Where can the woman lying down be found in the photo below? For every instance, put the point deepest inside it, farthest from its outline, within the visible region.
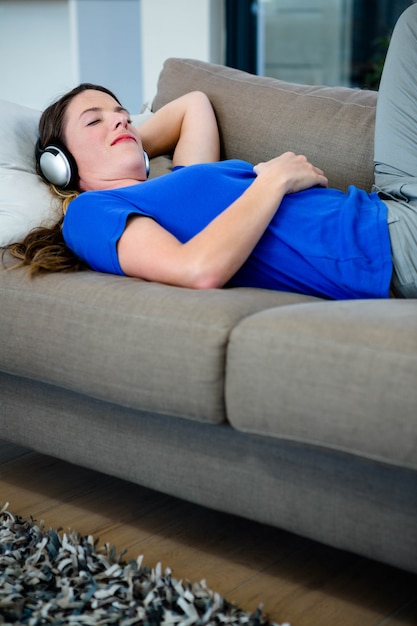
(210, 223)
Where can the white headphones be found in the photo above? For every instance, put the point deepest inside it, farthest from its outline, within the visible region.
(57, 165)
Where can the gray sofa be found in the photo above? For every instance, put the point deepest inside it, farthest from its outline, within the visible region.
(293, 411)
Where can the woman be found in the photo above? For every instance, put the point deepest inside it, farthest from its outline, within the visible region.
(210, 224)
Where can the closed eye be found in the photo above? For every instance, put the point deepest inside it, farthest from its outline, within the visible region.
(93, 122)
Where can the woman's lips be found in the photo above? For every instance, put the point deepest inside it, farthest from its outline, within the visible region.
(123, 138)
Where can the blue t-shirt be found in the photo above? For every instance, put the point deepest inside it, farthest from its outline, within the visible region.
(322, 242)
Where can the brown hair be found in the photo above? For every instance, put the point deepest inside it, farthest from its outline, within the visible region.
(44, 249)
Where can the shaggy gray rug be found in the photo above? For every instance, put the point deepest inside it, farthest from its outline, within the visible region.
(52, 578)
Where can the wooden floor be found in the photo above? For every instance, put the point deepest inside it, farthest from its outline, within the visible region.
(296, 580)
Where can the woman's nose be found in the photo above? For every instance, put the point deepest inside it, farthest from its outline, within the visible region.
(120, 120)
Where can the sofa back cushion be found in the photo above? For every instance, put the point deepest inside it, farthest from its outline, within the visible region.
(262, 117)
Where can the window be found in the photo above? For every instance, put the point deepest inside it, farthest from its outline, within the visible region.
(322, 42)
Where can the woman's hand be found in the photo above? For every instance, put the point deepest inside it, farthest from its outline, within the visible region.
(290, 173)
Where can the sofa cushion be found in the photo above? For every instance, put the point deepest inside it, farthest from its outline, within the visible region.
(261, 117)
(335, 374)
(141, 345)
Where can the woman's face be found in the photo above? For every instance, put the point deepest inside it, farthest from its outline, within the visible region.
(106, 147)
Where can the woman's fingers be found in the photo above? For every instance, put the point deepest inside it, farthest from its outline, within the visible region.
(295, 169)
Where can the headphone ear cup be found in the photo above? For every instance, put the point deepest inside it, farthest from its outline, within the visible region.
(147, 164)
(57, 166)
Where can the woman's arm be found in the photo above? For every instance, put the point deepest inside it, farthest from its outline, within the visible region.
(214, 255)
(187, 127)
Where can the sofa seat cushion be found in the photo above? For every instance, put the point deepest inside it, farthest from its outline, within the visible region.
(261, 117)
(141, 345)
(337, 374)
